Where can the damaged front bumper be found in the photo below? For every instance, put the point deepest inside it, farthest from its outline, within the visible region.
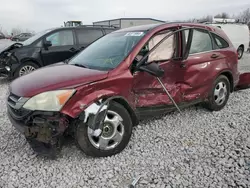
(43, 130)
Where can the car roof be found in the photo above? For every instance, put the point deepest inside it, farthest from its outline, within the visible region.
(83, 27)
(140, 27)
(170, 24)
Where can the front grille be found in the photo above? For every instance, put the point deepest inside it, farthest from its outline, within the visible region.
(15, 104)
(13, 100)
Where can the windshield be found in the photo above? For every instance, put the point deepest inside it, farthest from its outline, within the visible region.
(35, 37)
(107, 52)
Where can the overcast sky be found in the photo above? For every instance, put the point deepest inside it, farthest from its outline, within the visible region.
(42, 14)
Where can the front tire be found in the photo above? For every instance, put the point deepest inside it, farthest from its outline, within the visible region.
(219, 94)
(115, 135)
(25, 68)
(240, 52)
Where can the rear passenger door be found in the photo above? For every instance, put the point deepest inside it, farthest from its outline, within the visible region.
(86, 36)
(204, 60)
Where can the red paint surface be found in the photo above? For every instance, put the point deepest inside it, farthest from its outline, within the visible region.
(52, 78)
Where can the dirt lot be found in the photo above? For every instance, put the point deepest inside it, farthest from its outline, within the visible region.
(195, 149)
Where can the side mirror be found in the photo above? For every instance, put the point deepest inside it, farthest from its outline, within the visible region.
(47, 44)
(152, 68)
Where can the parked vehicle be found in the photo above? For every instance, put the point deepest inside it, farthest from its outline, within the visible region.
(2, 35)
(238, 33)
(120, 79)
(8, 37)
(22, 37)
(48, 47)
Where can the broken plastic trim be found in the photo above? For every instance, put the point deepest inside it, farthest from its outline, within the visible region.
(96, 109)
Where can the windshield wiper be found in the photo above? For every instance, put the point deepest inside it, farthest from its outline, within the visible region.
(80, 65)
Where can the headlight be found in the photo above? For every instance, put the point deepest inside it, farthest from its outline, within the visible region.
(49, 101)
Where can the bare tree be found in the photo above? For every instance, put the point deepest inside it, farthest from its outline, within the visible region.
(244, 16)
(207, 18)
(16, 31)
(223, 15)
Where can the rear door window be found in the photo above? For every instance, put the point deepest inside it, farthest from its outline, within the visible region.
(201, 41)
(88, 35)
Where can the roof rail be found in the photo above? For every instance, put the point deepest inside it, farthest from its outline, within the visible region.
(222, 21)
(107, 26)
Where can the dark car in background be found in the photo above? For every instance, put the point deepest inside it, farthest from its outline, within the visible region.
(2, 35)
(22, 37)
(48, 47)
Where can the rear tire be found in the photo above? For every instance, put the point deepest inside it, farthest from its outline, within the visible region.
(88, 146)
(25, 68)
(240, 52)
(219, 94)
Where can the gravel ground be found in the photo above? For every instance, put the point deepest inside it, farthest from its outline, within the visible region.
(195, 149)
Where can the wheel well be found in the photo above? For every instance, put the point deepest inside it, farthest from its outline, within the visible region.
(242, 46)
(131, 112)
(24, 61)
(230, 78)
(31, 60)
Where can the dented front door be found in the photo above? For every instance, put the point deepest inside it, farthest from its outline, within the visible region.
(147, 90)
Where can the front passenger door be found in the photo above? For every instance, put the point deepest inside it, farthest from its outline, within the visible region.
(63, 47)
(147, 90)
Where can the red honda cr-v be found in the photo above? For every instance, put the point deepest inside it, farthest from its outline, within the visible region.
(123, 77)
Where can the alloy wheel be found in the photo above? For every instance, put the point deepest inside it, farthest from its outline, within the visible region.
(239, 53)
(112, 132)
(220, 93)
(26, 69)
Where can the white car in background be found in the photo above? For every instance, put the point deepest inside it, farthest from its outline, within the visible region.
(238, 33)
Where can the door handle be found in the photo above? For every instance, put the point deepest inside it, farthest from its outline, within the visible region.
(214, 55)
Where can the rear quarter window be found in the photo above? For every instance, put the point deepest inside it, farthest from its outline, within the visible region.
(87, 36)
(219, 42)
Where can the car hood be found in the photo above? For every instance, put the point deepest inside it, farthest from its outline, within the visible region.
(54, 77)
(10, 47)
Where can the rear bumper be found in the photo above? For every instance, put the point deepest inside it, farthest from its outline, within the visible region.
(237, 79)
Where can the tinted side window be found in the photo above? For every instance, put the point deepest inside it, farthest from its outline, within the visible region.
(87, 36)
(201, 41)
(220, 42)
(61, 38)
